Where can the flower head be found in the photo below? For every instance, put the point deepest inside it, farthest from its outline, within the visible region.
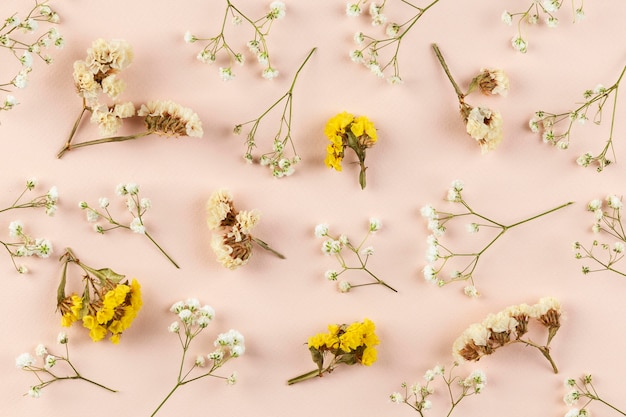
(348, 344)
(484, 125)
(344, 130)
(170, 119)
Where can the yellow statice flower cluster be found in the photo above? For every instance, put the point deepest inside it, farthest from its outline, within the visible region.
(344, 130)
(356, 337)
(348, 344)
(111, 313)
(118, 309)
(107, 305)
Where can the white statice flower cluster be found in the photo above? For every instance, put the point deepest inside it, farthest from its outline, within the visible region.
(257, 46)
(491, 82)
(607, 221)
(507, 327)
(232, 230)
(20, 38)
(379, 54)
(98, 74)
(232, 240)
(170, 119)
(484, 125)
(481, 123)
(336, 245)
(418, 395)
(537, 11)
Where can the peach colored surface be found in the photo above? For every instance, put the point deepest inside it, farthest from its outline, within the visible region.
(278, 304)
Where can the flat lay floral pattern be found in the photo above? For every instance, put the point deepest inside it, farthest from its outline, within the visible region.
(107, 285)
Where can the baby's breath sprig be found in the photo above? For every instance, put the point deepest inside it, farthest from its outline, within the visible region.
(47, 201)
(416, 396)
(108, 303)
(257, 45)
(608, 220)
(27, 245)
(508, 327)
(280, 164)
(14, 37)
(333, 245)
(136, 206)
(45, 374)
(596, 98)
(436, 251)
(537, 9)
(481, 123)
(369, 47)
(584, 390)
(195, 318)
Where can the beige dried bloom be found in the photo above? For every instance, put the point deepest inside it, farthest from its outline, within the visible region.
(86, 85)
(97, 73)
(246, 220)
(107, 123)
(484, 125)
(507, 327)
(171, 119)
(481, 123)
(232, 238)
(230, 252)
(112, 86)
(109, 120)
(220, 210)
(491, 82)
(108, 57)
(124, 110)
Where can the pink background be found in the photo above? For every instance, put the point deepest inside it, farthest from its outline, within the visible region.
(278, 304)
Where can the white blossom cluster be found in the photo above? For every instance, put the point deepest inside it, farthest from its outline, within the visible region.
(537, 11)
(334, 245)
(15, 36)
(607, 221)
(417, 395)
(257, 46)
